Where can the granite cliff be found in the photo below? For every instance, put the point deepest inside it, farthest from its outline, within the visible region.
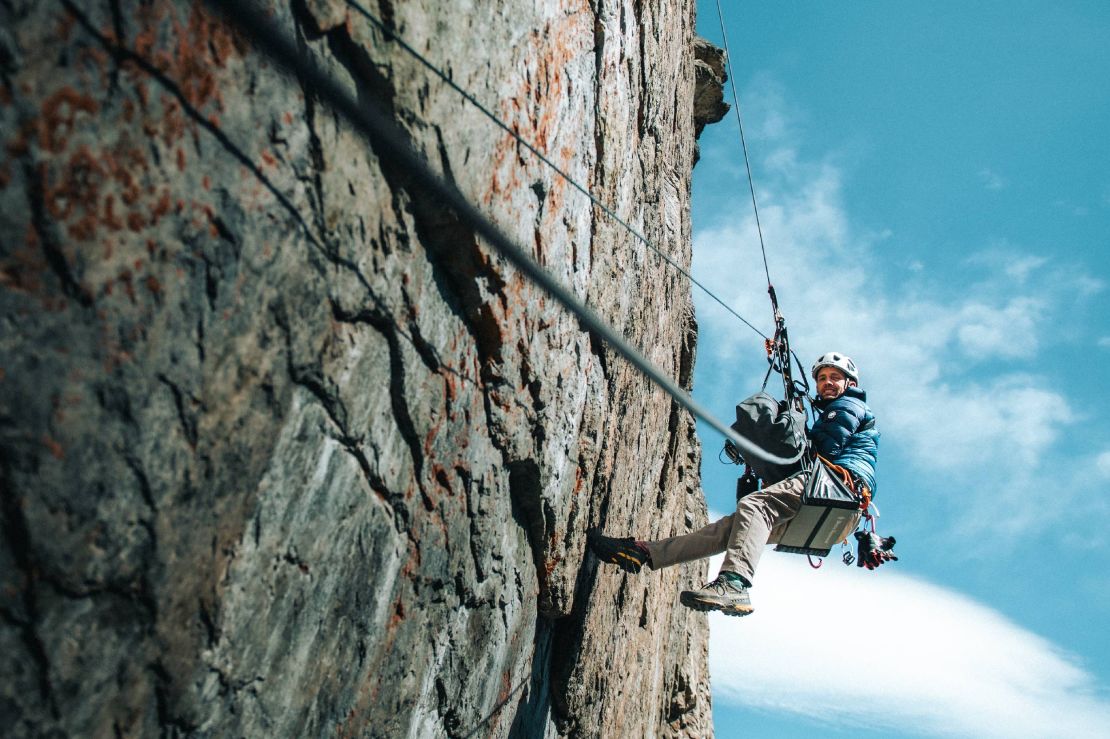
(286, 451)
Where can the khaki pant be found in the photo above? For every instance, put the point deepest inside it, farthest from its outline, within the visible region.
(760, 519)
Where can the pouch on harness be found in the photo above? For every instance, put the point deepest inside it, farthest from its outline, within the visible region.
(830, 512)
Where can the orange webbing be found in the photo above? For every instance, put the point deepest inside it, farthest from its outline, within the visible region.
(846, 478)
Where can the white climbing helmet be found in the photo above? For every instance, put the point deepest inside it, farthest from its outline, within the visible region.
(840, 361)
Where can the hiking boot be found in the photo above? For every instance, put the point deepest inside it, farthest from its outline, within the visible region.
(725, 594)
(628, 554)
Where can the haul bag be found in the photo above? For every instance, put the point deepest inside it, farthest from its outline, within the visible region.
(829, 512)
(775, 427)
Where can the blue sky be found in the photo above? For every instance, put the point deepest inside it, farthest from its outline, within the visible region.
(934, 189)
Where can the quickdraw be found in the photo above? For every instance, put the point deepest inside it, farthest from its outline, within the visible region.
(779, 356)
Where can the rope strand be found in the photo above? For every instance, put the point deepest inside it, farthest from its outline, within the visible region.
(743, 141)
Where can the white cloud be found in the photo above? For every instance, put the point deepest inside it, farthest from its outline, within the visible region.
(1086, 286)
(768, 115)
(991, 179)
(890, 651)
(1022, 267)
(1072, 208)
(1102, 464)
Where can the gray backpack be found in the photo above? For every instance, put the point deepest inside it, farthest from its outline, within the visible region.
(775, 427)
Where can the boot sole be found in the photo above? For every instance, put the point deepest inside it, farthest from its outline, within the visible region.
(627, 563)
(730, 609)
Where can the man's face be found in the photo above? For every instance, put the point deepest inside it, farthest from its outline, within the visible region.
(831, 383)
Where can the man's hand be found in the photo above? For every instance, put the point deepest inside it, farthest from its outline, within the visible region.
(873, 549)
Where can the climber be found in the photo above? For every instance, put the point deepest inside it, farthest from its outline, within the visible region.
(843, 434)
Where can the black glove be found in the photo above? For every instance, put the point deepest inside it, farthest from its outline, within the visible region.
(873, 549)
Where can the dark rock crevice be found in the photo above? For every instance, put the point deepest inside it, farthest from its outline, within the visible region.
(26, 621)
(312, 378)
(534, 708)
(48, 238)
(527, 499)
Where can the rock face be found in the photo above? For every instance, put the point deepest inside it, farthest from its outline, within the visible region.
(286, 451)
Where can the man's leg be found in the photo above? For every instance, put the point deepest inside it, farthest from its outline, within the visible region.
(705, 542)
(756, 517)
(743, 535)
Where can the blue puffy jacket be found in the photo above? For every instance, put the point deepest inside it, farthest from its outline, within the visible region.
(844, 433)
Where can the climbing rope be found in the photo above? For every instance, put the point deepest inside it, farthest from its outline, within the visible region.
(778, 348)
(743, 143)
(392, 35)
(376, 126)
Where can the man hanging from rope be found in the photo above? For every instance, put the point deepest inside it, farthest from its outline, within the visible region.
(843, 435)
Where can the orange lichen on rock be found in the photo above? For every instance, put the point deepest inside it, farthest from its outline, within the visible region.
(122, 163)
(161, 207)
(199, 45)
(125, 278)
(22, 271)
(77, 193)
(59, 114)
(173, 121)
(54, 447)
(65, 26)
